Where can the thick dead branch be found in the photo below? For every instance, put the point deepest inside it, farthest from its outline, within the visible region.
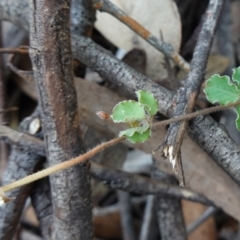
(82, 20)
(187, 95)
(223, 39)
(21, 163)
(18, 13)
(170, 219)
(52, 65)
(22, 140)
(170, 215)
(42, 204)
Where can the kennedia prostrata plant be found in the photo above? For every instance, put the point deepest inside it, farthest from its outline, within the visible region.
(138, 115)
(223, 90)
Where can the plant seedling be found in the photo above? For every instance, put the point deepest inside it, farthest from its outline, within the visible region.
(138, 115)
(223, 90)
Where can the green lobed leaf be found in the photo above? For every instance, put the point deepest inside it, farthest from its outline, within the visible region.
(148, 100)
(220, 89)
(140, 137)
(129, 132)
(238, 117)
(236, 76)
(137, 135)
(128, 111)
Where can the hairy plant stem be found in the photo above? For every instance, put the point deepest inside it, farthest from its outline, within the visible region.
(194, 114)
(61, 166)
(82, 158)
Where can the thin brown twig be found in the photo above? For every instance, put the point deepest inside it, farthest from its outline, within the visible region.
(14, 50)
(8, 110)
(195, 114)
(165, 48)
(21, 162)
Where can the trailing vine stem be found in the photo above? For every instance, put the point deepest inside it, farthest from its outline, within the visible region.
(195, 114)
(82, 158)
(64, 165)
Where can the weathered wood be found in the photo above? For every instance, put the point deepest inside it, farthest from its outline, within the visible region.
(51, 57)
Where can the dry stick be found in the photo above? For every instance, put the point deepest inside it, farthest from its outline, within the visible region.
(101, 147)
(21, 163)
(206, 214)
(165, 48)
(169, 210)
(51, 56)
(187, 95)
(148, 230)
(137, 184)
(8, 110)
(83, 16)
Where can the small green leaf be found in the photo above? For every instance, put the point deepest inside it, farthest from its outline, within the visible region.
(140, 137)
(148, 100)
(220, 89)
(128, 111)
(236, 75)
(129, 132)
(137, 135)
(238, 117)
